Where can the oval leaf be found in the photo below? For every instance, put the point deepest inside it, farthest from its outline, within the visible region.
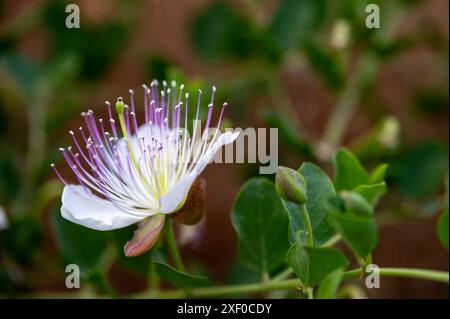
(312, 264)
(348, 171)
(359, 232)
(260, 225)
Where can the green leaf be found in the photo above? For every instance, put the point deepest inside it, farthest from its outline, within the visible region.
(348, 171)
(312, 264)
(442, 227)
(378, 174)
(359, 232)
(257, 216)
(79, 245)
(319, 191)
(356, 203)
(373, 192)
(179, 278)
(294, 20)
(329, 285)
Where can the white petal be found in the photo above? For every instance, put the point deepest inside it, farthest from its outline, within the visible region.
(95, 213)
(175, 197)
(223, 139)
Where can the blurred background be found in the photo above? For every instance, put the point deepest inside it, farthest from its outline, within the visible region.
(311, 68)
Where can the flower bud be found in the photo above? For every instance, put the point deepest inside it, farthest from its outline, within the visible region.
(355, 202)
(290, 185)
(145, 235)
(194, 208)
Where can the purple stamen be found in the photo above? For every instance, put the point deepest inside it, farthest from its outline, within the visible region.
(108, 167)
(58, 174)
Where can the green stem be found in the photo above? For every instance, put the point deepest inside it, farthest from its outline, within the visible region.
(367, 261)
(355, 273)
(433, 275)
(308, 227)
(440, 276)
(220, 291)
(309, 241)
(172, 245)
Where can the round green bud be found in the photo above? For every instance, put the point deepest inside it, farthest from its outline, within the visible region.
(290, 185)
(120, 105)
(355, 202)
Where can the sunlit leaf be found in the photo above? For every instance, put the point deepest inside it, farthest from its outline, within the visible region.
(348, 171)
(373, 192)
(378, 174)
